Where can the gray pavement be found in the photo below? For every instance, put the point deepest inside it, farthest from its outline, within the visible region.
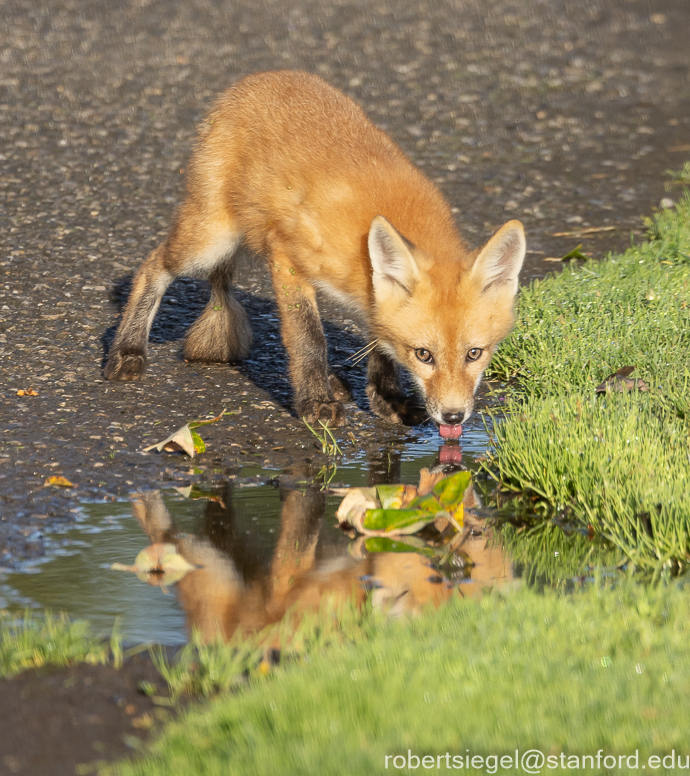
(562, 114)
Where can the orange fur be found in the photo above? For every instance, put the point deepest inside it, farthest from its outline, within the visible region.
(293, 168)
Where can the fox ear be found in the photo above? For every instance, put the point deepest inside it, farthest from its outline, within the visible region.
(395, 270)
(500, 260)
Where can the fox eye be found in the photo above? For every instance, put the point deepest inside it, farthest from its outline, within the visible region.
(474, 353)
(424, 356)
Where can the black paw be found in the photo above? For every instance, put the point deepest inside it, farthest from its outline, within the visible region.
(395, 409)
(125, 366)
(339, 388)
(332, 413)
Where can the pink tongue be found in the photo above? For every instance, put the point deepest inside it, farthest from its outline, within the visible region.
(450, 432)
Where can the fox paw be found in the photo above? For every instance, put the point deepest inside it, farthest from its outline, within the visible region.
(394, 409)
(332, 413)
(125, 366)
(339, 388)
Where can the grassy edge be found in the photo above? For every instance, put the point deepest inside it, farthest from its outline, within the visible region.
(602, 667)
(616, 464)
(37, 641)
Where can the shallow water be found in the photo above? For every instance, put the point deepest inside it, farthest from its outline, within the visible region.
(235, 535)
(259, 547)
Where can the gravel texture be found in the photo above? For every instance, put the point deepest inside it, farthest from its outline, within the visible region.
(562, 114)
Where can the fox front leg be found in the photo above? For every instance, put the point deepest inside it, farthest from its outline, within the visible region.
(305, 343)
(386, 398)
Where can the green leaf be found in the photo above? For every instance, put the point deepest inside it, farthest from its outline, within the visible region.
(429, 504)
(199, 444)
(576, 253)
(451, 489)
(403, 521)
(384, 544)
(390, 496)
(197, 423)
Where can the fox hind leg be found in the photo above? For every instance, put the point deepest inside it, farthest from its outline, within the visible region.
(201, 243)
(222, 333)
(127, 357)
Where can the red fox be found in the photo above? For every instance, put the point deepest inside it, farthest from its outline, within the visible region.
(291, 167)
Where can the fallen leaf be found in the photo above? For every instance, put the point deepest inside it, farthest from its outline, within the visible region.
(185, 439)
(180, 440)
(193, 492)
(144, 722)
(621, 382)
(159, 564)
(396, 496)
(264, 668)
(624, 371)
(394, 522)
(450, 490)
(576, 253)
(400, 544)
(27, 392)
(428, 481)
(355, 504)
(394, 510)
(61, 482)
(197, 423)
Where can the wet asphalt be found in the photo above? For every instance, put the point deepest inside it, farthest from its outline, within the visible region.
(563, 114)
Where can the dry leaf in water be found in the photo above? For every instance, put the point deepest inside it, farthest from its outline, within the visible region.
(159, 564)
(392, 510)
(193, 492)
(355, 504)
(428, 481)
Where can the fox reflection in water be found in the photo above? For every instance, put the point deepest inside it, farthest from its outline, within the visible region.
(232, 588)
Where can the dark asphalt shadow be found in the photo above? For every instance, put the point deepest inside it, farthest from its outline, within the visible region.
(267, 364)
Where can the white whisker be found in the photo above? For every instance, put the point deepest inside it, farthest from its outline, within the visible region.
(362, 353)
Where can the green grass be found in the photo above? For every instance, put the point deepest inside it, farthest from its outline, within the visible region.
(617, 462)
(203, 669)
(36, 641)
(601, 668)
(550, 553)
(679, 177)
(329, 444)
(576, 327)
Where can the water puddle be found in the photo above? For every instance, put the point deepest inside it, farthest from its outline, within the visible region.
(258, 544)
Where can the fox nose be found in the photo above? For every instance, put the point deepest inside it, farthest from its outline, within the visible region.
(452, 418)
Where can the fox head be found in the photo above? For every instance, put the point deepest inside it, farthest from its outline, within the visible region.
(441, 319)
